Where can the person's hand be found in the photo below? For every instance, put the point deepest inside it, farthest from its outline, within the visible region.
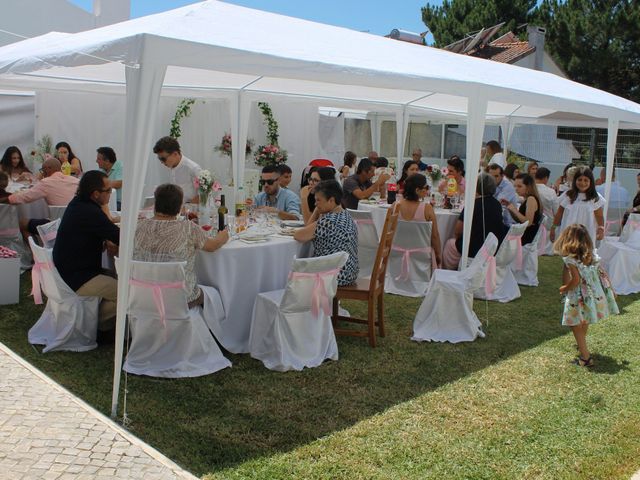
(505, 203)
(552, 234)
(563, 289)
(223, 236)
(248, 202)
(382, 178)
(112, 248)
(268, 209)
(600, 233)
(24, 177)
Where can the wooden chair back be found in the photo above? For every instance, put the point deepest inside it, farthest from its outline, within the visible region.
(376, 284)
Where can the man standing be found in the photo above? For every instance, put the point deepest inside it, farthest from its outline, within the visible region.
(275, 199)
(548, 196)
(504, 191)
(109, 164)
(358, 186)
(83, 232)
(182, 170)
(56, 189)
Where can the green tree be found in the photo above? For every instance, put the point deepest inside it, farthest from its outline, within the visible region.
(596, 42)
(454, 19)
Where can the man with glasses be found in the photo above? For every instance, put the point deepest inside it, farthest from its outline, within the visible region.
(416, 156)
(77, 254)
(182, 170)
(55, 188)
(274, 199)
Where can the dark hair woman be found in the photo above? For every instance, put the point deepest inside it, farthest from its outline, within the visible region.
(13, 165)
(64, 152)
(307, 197)
(409, 168)
(531, 208)
(414, 208)
(349, 165)
(332, 230)
(511, 171)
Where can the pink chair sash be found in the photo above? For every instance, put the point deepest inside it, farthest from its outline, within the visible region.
(36, 291)
(611, 222)
(157, 294)
(492, 272)
(542, 240)
(319, 297)
(406, 255)
(363, 221)
(47, 237)
(9, 232)
(518, 240)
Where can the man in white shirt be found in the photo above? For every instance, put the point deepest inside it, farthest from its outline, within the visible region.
(495, 154)
(619, 198)
(182, 170)
(548, 195)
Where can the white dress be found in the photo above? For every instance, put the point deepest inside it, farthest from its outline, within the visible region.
(581, 211)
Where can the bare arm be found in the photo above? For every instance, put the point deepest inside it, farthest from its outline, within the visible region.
(116, 184)
(363, 194)
(600, 221)
(308, 232)
(304, 204)
(570, 278)
(430, 216)
(459, 228)
(530, 212)
(75, 166)
(213, 244)
(556, 222)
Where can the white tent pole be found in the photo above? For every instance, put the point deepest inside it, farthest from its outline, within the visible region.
(476, 118)
(507, 127)
(612, 138)
(144, 84)
(402, 122)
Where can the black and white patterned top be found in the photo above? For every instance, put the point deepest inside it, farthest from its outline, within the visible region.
(337, 232)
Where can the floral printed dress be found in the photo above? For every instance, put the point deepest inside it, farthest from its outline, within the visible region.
(592, 299)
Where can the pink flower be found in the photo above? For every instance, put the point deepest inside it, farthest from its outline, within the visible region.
(217, 187)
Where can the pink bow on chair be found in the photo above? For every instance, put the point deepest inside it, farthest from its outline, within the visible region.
(9, 232)
(492, 273)
(611, 222)
(517, 238)
(363, 221)
(36, 291)
(157, 294)
(406, 255)
(319, 297)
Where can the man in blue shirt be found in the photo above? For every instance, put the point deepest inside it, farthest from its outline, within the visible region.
(274, 199)
(504, 191)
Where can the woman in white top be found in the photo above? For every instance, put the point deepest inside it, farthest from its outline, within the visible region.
(581, 204)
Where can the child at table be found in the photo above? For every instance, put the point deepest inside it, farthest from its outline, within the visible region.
(588, 293)
(4, 183)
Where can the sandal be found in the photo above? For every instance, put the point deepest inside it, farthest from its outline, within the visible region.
(581, 362)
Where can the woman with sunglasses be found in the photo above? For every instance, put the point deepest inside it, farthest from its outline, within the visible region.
(307, 197)
(413, 207)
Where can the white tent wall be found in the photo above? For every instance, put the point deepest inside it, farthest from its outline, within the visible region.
(18, 124)
(331, 137)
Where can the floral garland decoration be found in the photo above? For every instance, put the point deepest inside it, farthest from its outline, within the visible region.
(270, 154)
(183, 111)
(226, 144)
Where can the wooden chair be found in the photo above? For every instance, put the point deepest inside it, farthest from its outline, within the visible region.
(369, 290)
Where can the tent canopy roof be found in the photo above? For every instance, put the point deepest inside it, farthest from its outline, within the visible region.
(213, 47)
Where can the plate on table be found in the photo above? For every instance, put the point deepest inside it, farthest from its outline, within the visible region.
(253, 236)
(293, 223)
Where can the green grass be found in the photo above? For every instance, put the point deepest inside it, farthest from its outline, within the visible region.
(507, 406)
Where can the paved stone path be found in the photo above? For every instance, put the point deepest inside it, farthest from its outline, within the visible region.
(47, 433)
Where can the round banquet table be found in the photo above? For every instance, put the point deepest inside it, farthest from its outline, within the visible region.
(27, 211)
(240, 271)
(446, 219)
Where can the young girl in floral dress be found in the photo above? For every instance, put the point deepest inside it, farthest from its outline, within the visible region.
(589, 297)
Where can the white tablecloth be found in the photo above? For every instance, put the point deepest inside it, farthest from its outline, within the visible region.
(240, 271)
(446, 219)
(27, 211)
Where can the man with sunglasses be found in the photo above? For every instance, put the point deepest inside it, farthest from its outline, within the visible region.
(77, 253)
(274, 199)
(182, 170)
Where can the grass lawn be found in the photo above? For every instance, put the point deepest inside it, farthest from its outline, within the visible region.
(507, 406)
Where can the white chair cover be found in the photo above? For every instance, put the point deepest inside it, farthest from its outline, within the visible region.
(56, 211)
(48, 233)
(510, 251)
(411, 260)
(613, 225)
(167, 338)
(446, 313)
(368, 240)
(11, 237)
(545, 245)
(526, 272)
(621, 257)
(69, 322)
(291, 328)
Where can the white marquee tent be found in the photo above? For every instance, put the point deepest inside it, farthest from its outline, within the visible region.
(217, 50)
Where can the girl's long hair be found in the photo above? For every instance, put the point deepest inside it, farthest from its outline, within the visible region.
(591, 193)
(575, 242)
(6, 164)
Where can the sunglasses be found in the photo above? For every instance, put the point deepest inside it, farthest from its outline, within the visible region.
(268, 182)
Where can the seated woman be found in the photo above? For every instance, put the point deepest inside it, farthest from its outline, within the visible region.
(13, 165)
(413, 207)
(409, 168)
(332, 230)
(456, 169)
(511, 171)
(307, 197)
(487, 217)
(64, 152)
(164, 238)
(349, 167)
(530, 209)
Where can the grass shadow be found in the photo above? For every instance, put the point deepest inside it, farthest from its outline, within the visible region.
(214, 422)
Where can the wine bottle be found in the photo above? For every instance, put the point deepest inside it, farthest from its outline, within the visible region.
(222, 214)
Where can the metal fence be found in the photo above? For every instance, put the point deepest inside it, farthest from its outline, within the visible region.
(591, 144)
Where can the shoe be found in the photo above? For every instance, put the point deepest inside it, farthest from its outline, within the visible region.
(581, 362)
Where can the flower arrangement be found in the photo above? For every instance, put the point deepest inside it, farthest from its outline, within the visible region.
(225, 146)
(205, 184)
(183, 111)
(435, 173)
(43, 149)
(270, 154)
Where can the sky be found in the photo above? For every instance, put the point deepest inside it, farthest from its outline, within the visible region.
(375, 16)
